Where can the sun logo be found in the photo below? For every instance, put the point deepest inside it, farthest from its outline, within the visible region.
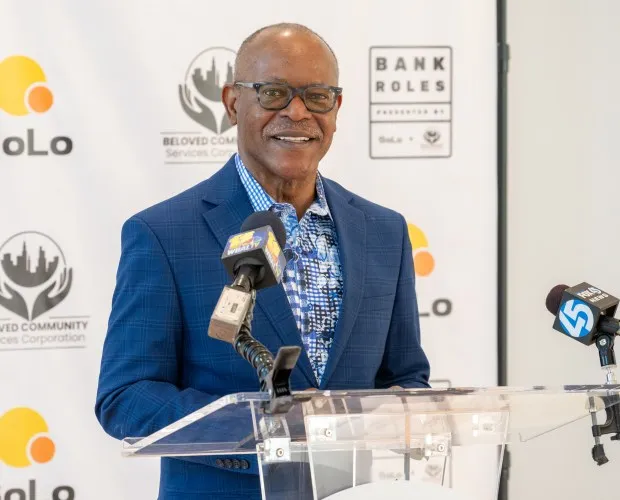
(241, 239)
(24, 438)
(22, 87)
(424, 262)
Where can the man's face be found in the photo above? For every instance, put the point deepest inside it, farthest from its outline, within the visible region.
(298, 60)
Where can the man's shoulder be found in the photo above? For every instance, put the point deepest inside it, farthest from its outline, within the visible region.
(187, 203)
(372, 210)
(174, 206)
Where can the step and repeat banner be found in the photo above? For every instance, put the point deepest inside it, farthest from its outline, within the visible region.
(107, 107)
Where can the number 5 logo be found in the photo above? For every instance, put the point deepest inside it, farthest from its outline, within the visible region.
(576, 318)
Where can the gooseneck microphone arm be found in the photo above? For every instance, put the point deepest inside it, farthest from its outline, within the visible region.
(251, 349)
(273, 374)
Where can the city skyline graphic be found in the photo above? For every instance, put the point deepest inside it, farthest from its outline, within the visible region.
(208, 82)
(21, 272)
(32, 261)
(201, 93)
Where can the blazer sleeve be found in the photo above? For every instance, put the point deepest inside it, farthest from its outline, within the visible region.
(404, 362)
(138, 392)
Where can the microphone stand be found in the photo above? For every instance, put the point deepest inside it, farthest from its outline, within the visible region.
(607, 357)
(273, 374)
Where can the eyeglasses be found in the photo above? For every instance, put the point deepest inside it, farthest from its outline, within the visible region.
(277, 96)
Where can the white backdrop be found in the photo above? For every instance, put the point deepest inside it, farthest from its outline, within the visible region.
(116, 70)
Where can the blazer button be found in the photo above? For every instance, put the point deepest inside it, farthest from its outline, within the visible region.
(219, 462)
(236, 464)
(245, 464)
(228, 463)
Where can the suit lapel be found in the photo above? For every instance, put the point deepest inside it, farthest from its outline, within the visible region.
(232, 207)
(351, 229)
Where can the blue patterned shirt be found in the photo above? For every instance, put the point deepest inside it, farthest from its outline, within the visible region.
(313, 276)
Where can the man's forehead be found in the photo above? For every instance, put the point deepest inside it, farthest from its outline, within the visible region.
(276, 54)
(294, 70)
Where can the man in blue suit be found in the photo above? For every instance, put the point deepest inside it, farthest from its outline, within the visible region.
(347, 296)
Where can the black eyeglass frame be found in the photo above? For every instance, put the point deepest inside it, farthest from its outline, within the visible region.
(294, 92)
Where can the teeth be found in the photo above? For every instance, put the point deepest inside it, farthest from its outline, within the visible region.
(293, 139)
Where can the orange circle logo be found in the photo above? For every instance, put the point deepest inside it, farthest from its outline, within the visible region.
(423, 260)
(24, 438)
(23, 88)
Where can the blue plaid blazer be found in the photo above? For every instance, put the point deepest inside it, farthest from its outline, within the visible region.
(158, 363)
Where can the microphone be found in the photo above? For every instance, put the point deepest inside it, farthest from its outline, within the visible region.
(586, 314)
(254, 259)
(583, 312)
(255, 254)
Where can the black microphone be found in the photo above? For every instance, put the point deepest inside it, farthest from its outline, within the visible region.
(583, 312)
(254, 257)
(586, 314)
(254, 260)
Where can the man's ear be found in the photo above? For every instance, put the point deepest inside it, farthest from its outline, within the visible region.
(338, 103)
(229, 98)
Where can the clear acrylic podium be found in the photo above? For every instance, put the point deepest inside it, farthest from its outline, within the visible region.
(392, 444)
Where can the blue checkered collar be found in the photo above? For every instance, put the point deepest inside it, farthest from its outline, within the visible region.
(262, 201)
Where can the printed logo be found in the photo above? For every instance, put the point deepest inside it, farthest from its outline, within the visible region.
(424, 265)
(593, 295)
(23, 87)
(26, 443)
(24, 91)
(410, 102)
(432, 136)
(576, 318)
(244, 242)
(200, 97)
(34, 279)
(275, 255)
(590, 292)
(204, 82)
(42, 268)
(25, 439)
(240, 239)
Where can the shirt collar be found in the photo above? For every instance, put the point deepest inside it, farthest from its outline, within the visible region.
(262, 201)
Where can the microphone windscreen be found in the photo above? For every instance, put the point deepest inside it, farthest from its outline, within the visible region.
(261, 219)
(554, 297)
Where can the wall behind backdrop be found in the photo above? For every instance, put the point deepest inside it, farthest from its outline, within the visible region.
(109, 107)
(563, 180)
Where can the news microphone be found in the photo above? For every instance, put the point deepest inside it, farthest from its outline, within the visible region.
(255, 255)
(583, 312)
(254, 259)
